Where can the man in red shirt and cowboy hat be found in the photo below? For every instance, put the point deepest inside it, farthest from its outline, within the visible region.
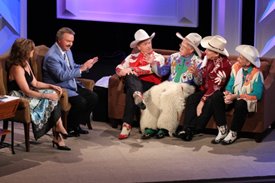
(139, 77)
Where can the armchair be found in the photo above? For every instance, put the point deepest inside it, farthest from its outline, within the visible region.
(36, 63)
(22, 114)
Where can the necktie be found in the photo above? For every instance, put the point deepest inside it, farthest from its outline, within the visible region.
(66, 59)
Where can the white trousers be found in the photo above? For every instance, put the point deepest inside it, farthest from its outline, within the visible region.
(164, 105)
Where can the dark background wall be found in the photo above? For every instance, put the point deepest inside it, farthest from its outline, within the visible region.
(110, 41)
(105, 37)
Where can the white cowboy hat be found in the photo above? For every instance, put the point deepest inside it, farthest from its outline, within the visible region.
(215, 43)
(250, 53)
(140, 35)
(193, 40)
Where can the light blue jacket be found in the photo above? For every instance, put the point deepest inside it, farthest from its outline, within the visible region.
(57, 72)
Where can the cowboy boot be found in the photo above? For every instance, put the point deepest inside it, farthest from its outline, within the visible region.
(125, 132)
(230, 138)
(221, 135)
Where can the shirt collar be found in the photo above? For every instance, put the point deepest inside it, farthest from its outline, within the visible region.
(61, 51)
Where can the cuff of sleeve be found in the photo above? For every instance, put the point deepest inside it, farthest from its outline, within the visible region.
(203, 99)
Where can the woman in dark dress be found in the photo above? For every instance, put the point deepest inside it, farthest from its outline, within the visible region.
(43, 97)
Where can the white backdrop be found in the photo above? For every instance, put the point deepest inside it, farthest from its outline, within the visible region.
(13, 22)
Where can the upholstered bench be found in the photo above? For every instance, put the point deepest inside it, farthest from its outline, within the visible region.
(258, 123)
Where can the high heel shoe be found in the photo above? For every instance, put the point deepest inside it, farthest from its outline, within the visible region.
(57, 136)
(63, 148)
(64, 135)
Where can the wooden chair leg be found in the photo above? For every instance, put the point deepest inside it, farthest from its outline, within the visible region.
(27, 136)
(89, 125)
(5, 127)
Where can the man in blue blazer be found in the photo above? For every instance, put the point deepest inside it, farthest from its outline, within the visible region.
(60, 69)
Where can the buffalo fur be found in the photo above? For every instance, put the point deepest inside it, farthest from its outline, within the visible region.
(164, 105)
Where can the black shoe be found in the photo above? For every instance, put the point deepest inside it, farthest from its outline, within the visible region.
(179, 134)
(188, 135)
(81, 131)
(141, 105)
(138, 99)
(59, 147)
(162, 133)
(73, 133)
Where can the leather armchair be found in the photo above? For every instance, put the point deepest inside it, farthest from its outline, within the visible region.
(22, 114)
(36, 63)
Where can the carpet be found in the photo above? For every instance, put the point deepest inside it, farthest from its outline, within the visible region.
(100, 157)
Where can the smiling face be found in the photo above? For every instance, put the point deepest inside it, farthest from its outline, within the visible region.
(185, 48)
(243, 61)
(145, 47)
(211, 54)
(66, 41)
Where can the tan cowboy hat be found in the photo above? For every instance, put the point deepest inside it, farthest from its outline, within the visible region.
(193, 39)
(215, 43)
(250, 53)
(140, 35)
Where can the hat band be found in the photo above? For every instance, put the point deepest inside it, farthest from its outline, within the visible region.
(215, 47)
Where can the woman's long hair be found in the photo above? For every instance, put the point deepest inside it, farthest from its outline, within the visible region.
(20, 52)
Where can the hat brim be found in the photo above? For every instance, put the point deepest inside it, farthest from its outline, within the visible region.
(256, 63)
(134, 43)
(204, 44)
(197, 50)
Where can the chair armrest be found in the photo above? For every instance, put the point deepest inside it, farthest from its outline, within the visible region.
(23, 112)
(268, 96)
(87, 83)
(116, 82)
(116, 97)
(23, 104)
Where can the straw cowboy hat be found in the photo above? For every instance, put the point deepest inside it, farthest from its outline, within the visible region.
(193, 39)
(140, 35)
(215, 43)
(250, 53)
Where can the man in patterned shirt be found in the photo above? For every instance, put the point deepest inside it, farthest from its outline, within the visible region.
(165, 102)
(216, 70)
